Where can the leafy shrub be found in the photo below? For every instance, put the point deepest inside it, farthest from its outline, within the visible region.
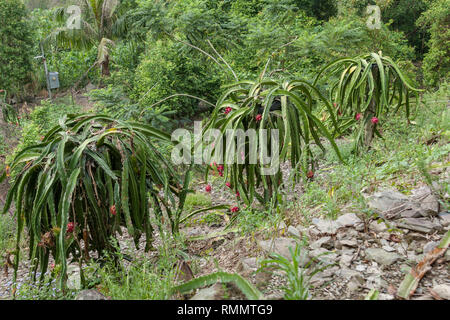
(167, 70)
(404, 14)
(114, 101)
(369, 87)
(436, 64)
(15, 46)
(36, 124)
(89, 176)
(268, 104)
(72, 66)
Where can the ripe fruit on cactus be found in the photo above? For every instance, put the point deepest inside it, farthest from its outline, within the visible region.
(234, 209)
(70, 227)
(374, 120)
(310, 174)
(358, 116)
(112, 210)
(208, 188)
(258, 117)
(227, 110)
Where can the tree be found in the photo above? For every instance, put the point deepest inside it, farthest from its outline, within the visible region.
(320, 9)
(436, 64)
(404, 14)
(15, 46)
(99, 26)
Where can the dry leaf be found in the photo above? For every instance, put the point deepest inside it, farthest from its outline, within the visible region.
(435, 295)
(411, 280)
(394, 238)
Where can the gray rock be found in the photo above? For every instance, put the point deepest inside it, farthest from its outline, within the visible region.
(325, 276)
(348, 220)
(214, 292)
(347, 233)
(386, 200)
(428, 202)
(424, 297)
(193, 231)
(349, 273)
(324, 256)
(281, 246)
(381, 256)
(352, 243)
(429, 206)
(324, 242)
(415, 236)
(348, 251)
(430, 246)
(378, 226)
(373, 268)
(443, 291)
(353, 286)
(375, 282)
(385, 296)
(275, 296)
(388, 248)
(73, 277)
(325, 226)
(360, 227)
(360, 267)
(313, 232)
(421, 192)
(346, 260)
(302, 229)
(445, 218)
(293, 232)
(248, 265)
(418, 224)
(90, 294)
(413, 212)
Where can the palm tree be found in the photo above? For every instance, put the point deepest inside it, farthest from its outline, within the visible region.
(98, 27)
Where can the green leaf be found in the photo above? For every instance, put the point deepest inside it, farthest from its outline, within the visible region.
(246, 287)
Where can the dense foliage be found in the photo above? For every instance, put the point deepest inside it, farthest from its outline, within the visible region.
(436, 64)
(367, 88)
(263, 106)
(15, 47)
(89, 176)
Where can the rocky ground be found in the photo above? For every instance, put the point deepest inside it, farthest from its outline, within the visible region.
(360, 253)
